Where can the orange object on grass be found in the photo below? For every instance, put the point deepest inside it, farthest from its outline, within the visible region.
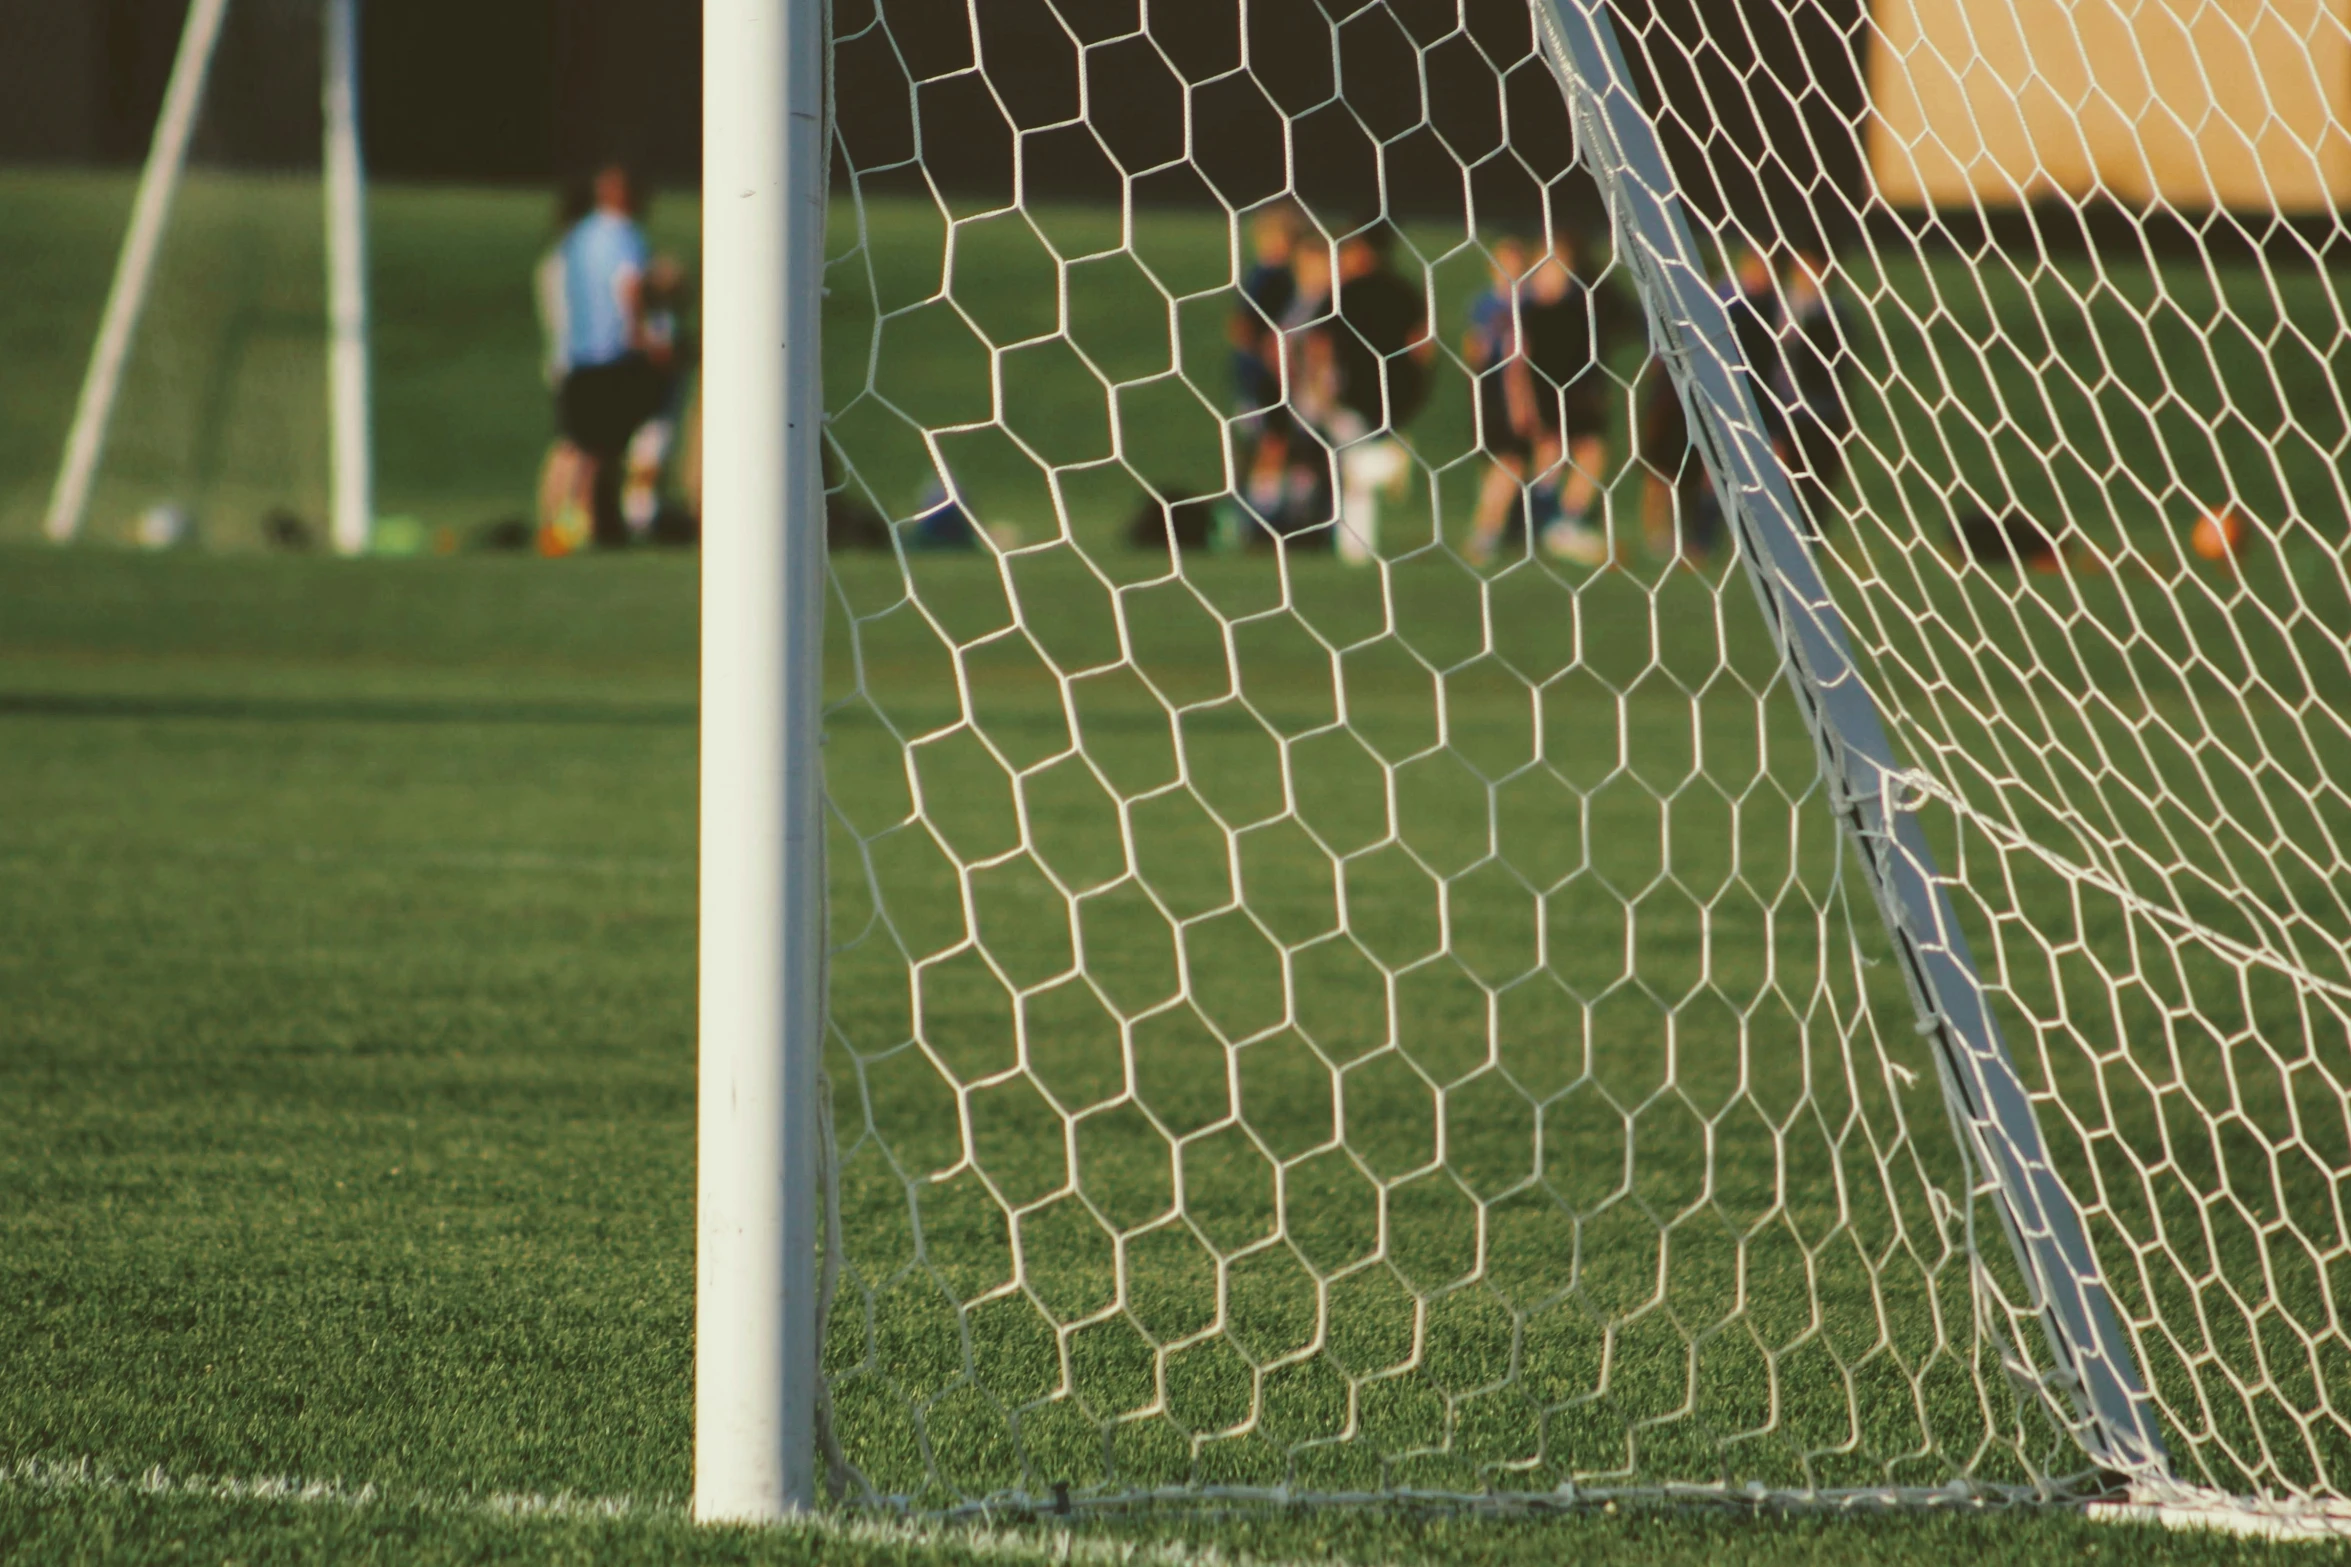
(2219, 534)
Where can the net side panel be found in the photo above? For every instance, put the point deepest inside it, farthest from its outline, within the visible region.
(1345, 980)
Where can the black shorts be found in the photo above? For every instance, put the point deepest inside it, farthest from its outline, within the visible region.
(1272, 423)
(1661, 432)
(1495, 436)
(1576, 411)
(601, 406)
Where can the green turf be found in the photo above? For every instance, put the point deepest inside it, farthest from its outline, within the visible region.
(351, 938)
(139, 1530)
(348, 1059)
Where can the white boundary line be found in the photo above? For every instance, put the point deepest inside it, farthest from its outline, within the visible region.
(2182, 1507)
(37, 1474)
(994, 1544)
(2309, 1522)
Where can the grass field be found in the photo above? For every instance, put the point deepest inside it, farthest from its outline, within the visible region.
(348, 1065)
(1291, 1027)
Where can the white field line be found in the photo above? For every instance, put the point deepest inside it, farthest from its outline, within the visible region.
(37, 1474)
(1051, 1546)
(2217, 1512)
(2174, 1508)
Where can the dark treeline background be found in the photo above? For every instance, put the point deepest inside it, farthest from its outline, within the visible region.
(1414, 107)
(483, 91)
(1384, 103)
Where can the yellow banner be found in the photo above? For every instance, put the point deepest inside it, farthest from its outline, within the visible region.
(2196, 103)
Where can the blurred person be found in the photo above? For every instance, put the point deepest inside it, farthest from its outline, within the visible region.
(1812, 358)
(1680, 516)
(558, 474)
(690, 454)
(942, 520)
(1286, 294)
(1681, 511)
(649, 448)
(614, 379)
(1269, 286)
(1557, 389)
(1384, 349)
(1286, 490)
(1488, 345)
(1364, 376)
(1751, 298)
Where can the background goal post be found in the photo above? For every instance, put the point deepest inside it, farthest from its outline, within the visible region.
(158, 183)
(345, 424)
(1335, 957)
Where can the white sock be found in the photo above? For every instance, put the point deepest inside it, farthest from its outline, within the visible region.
(640, 503)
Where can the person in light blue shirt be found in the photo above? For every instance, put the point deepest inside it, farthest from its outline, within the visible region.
(604, 260)
(615, 375)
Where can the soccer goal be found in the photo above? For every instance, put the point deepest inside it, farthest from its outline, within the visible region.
(1549, 753)
(226, 396)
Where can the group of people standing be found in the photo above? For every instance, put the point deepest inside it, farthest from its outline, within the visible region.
(1333, 355)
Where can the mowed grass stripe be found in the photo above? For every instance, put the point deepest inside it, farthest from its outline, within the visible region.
(379, 1167)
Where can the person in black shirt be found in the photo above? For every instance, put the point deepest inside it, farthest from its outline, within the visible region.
(1679, 511)
(1360, 373)
(1384, 345)
(1558, 398)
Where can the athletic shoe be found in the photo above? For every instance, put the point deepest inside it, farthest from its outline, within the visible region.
(1577, 543)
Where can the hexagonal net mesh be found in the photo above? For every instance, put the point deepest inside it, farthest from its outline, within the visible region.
(1347, 979)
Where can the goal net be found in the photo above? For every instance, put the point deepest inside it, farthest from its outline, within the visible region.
(207, 412)
(1579, 752)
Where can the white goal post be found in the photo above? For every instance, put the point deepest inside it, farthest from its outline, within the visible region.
(1310, 1008)
(344, 190)
(762, 891)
